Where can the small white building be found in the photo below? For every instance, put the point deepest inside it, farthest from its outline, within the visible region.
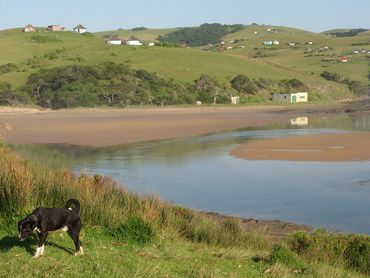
(235, 100)
(292, 98)
(267, 42)
(29, 28)
(114, 40)
(275, 42)
(133, 41)
(80, 29)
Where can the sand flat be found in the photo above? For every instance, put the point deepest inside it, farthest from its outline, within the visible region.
(106, 127)
(327, 147)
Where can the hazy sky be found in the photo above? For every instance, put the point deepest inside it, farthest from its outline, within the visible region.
(313, 15)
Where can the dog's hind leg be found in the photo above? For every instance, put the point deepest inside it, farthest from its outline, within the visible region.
(41, 245)
(75, 236)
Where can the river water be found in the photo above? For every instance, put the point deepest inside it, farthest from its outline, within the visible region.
(198, 172)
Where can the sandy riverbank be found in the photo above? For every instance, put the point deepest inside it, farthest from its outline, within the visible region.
(106, 127)
(326, 147)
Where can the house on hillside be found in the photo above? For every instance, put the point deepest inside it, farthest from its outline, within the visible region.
(344, 59)
(275, 42)
(133, 41)
(267, 42)
(115, 40)
(29, 28)
(292, 98)
(55, 28)
(80, 29)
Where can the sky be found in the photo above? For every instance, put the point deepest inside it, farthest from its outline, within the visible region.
(313, 15)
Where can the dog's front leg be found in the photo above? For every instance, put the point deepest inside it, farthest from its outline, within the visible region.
(41, 245)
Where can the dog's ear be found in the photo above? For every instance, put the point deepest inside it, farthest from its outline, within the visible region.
(20, 224)
(32, 220)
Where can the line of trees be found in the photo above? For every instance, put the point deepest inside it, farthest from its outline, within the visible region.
(202, 35)
(113, 84)
(355, 86)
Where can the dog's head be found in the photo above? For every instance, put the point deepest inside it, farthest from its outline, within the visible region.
(26, 227)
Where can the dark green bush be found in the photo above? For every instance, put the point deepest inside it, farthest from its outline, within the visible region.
(7, 68)
(357, 254)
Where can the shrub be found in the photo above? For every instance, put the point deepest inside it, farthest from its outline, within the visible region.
(135, 230)
(139, 29)
(357, 254)
(243, 84)
(44, 39)
(283, 255)
(299, 242)
(7, 68)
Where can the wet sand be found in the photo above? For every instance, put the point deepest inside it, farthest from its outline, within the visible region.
(328, 147)
(107, 127)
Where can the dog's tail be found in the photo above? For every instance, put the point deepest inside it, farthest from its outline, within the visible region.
(71, 202)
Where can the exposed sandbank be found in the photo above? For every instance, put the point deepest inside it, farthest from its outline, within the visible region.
(328, 147)
(106, 127)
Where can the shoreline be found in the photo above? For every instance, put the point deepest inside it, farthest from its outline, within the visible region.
(106, 126)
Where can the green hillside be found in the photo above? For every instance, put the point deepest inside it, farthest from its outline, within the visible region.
(27, 53)
(303, 57)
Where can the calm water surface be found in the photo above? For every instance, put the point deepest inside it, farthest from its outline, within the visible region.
(198, 173)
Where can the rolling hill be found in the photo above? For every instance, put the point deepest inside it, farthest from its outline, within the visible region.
(29, 52)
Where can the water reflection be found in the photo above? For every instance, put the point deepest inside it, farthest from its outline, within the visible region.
(198, 172)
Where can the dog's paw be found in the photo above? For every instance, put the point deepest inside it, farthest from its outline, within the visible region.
(80, 252)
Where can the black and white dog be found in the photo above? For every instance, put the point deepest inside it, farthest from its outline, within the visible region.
(44, 220)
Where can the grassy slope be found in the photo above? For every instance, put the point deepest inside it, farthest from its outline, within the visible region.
(165, 257)
(110, 258)
(294, 58)
(178, 63)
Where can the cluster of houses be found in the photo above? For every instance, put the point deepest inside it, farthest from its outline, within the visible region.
(133, 41)
(223, 45)
(361, 51)
(79, 29)
(275, 42)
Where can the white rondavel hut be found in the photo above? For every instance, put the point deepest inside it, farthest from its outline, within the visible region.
(80, 29)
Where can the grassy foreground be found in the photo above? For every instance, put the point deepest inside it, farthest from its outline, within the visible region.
(127, 235)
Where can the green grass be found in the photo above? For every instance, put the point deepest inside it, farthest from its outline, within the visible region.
(65, 48)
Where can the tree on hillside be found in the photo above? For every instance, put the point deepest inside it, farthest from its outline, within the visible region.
(207, 86)
(243, 84)
(202, 35)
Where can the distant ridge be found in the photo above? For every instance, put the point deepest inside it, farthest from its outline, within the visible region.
(345, 32)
